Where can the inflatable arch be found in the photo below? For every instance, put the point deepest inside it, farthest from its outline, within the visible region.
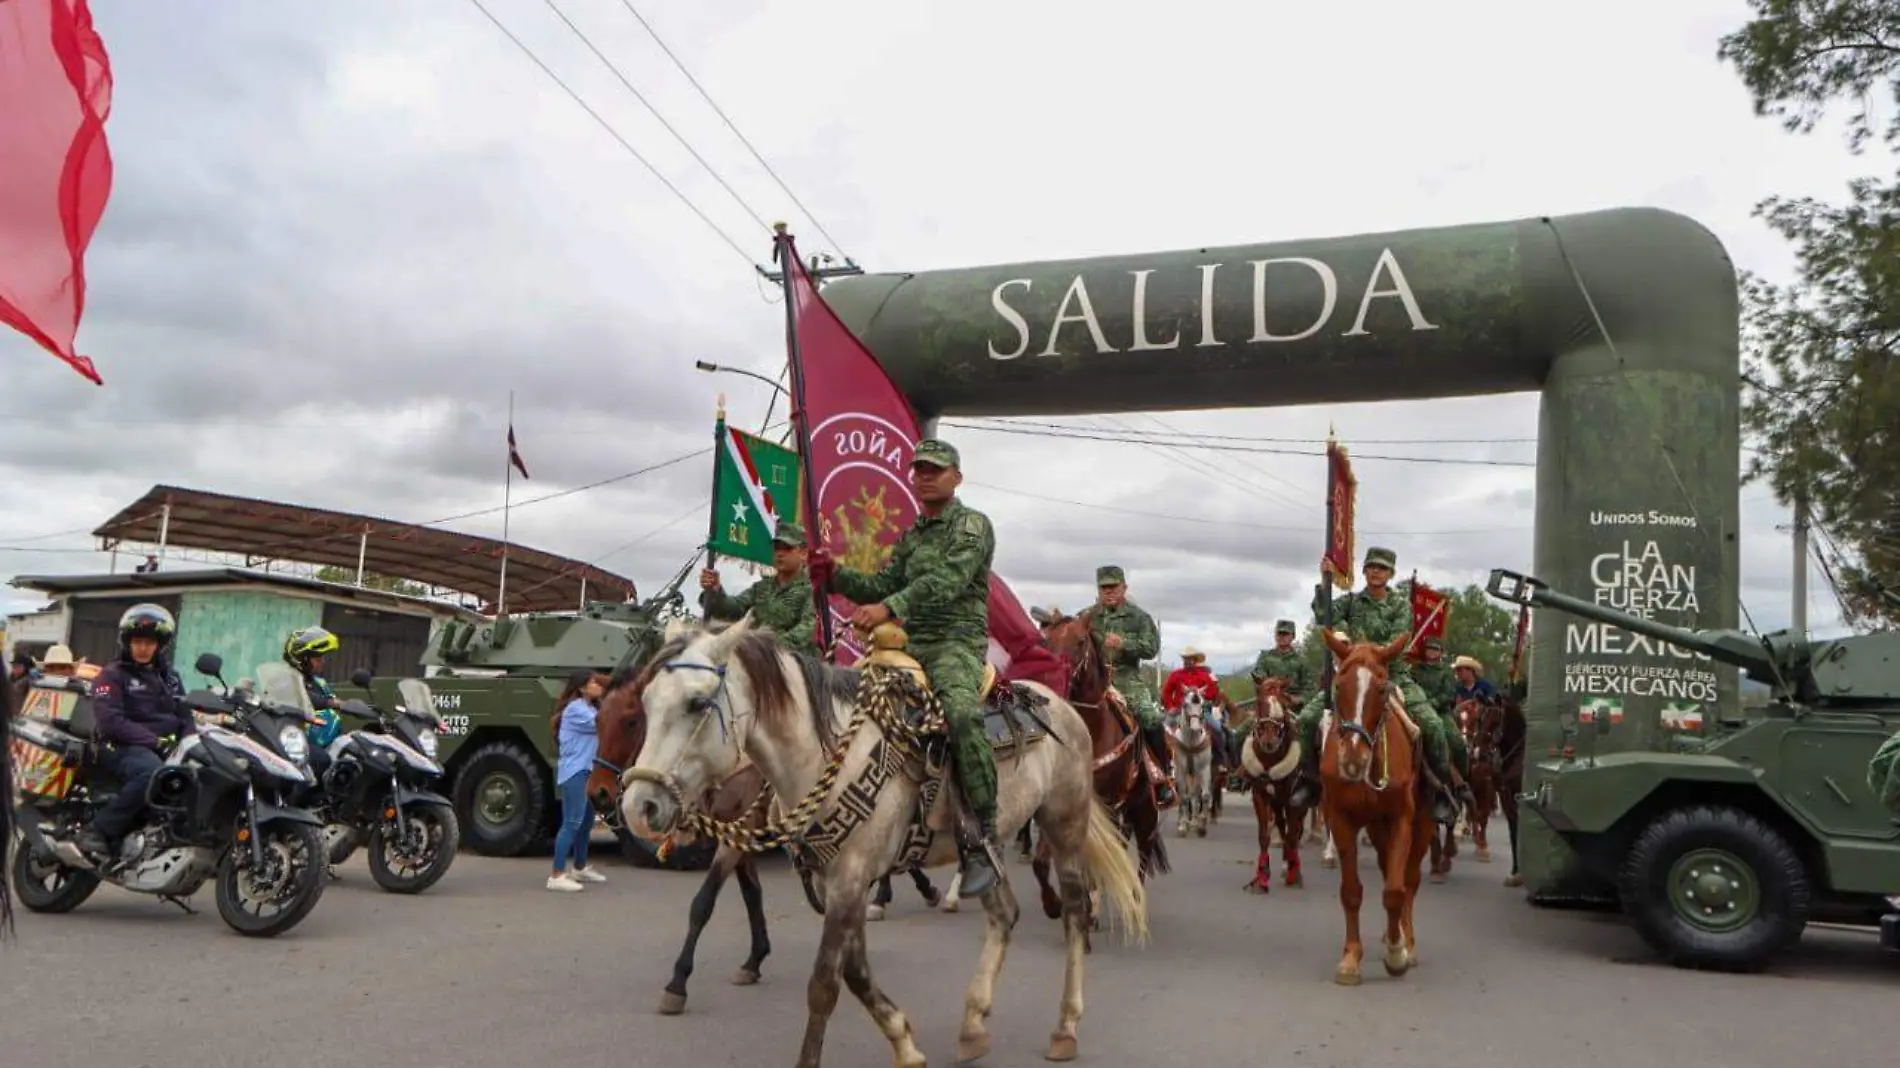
(1625, 320)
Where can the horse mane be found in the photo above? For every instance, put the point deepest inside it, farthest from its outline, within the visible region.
(758, 653)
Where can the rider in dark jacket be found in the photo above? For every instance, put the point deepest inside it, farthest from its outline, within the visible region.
(139, 714)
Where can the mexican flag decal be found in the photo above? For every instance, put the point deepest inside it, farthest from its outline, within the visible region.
(752, 480)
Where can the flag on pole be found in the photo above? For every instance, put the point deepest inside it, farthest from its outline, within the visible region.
(754, 483)
(1341, 495)
(514, 454)
(862, 433)
(1430, 612)
(56, 173)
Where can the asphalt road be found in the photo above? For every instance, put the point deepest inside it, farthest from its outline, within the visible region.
(489, 970)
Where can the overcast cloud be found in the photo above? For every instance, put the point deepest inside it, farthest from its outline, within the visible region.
(340, 234)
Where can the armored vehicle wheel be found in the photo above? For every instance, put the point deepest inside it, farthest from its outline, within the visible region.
(1714, 887)
(48, 885)
(501, 800)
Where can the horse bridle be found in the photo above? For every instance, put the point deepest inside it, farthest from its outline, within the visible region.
(717, 702)
(1384, 695)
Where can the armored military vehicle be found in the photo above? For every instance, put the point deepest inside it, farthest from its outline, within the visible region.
(495, 683)
(1721, 856)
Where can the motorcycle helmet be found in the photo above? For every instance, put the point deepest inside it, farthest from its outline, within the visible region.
(306, 643)
(146, 621)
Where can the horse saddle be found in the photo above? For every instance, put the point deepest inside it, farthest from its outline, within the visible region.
(1010, 720)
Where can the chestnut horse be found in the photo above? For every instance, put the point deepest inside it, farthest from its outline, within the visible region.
(1372, 778)
(622, 727)
(1124, 770)
(1269, 760)
(1495, 739)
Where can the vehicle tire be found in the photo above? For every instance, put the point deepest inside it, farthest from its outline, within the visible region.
(306, 879)
(1713, 887)
(447, 834)
(69, 890)
(502, 799)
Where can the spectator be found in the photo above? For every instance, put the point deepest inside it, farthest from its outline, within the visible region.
(573, 726)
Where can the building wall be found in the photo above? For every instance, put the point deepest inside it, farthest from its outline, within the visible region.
(245, 627)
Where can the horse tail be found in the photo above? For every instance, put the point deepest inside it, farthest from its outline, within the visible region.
(1106, 856)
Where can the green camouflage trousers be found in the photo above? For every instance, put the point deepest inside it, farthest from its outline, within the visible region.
(955, 670)
(1142, 703)
(1439, 738)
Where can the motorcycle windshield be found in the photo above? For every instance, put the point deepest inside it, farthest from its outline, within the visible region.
(280, 684)
(418, 700)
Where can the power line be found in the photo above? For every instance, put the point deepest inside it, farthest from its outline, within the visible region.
(699, 508)
(615, 134)
(655, 112)
(1231, 522)
(1275, 441)
(1244, 448)
(651, 32)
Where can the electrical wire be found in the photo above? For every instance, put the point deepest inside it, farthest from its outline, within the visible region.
(615, 134)
(1248, 438)
(717, 110)
(1243, 448)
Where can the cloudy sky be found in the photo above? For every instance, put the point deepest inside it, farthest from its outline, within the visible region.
(341, 233)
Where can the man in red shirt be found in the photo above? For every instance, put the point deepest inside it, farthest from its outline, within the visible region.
(1194, 674)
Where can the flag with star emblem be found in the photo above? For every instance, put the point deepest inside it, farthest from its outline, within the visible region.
(752, 480)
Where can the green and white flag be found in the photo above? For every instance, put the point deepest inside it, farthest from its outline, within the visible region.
(753, 480)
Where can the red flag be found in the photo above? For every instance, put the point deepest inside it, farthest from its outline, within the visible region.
(514, 455)
(862, 434)
(1341, 493)
(1430, 610)
(56, 171)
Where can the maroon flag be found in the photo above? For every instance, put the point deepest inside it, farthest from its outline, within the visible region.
(862, 433)
(514, 454)
(55, 171)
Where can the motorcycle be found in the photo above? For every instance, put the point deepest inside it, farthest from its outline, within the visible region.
(376, 791)
(219, 807)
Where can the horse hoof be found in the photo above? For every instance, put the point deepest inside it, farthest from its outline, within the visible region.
(1051, 906)
(1258, 886)
(1514, 880)
(1438, 877)
(672, 1004)
(1483, 855)
(1061, 1048)
(874, 913)
(746, 977)
(1293, 879)
(1329, 862)
(1395, 961)
(1345, 976)
(973, 1047)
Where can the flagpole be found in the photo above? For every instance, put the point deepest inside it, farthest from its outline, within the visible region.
(785, 254)
(507, 496)
(712, 519)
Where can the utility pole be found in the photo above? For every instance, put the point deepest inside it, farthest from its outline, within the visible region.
(1799, 613)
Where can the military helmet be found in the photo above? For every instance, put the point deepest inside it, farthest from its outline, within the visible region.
(146, 621)
(307, 643)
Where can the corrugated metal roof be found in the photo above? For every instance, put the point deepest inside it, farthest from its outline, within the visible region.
(157, 581)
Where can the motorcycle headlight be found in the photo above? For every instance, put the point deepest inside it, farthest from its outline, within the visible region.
(428, 743)
(294, 744)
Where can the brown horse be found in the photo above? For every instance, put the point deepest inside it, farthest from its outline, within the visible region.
(1124, 771)
(1496, 742)
(1269, 761)
(622, 726)
(1372, 778)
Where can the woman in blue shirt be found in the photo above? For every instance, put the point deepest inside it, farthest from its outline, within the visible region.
(574, 730)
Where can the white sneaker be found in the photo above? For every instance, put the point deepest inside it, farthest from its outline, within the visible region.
(589, 875)
(564, 883)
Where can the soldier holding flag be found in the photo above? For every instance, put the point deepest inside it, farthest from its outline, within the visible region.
(781, 602)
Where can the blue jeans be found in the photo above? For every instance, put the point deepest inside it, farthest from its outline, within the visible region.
(577, 819)
(134, 767)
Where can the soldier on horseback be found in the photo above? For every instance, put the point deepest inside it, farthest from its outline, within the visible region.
(781, 602)
(1440, 684)
(1130, 635)
(937, 585)
(1379, 613)
(1282, 662)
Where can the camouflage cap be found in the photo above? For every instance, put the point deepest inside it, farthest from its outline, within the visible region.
(1109, 575)
(790, 534)
(937, 453)
(1381, 556)
(1285, 626)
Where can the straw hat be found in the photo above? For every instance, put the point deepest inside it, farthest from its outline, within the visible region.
(59, 656)
(1191, 653)
(1467, 662)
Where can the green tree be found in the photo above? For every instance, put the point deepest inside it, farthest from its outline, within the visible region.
(372, 580)
(1822, 370)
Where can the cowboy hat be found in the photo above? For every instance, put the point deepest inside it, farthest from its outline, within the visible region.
(59, 656)
(1191, 653)
(1467, 662)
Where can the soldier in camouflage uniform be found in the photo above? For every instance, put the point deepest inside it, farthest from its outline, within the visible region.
(782, 602)
(1130, 635)
(1378, 613)
(937, 586)
(1440, 684)
(1285, 663)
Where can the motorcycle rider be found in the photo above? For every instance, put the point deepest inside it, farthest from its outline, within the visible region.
(304, 650)
(137, 705)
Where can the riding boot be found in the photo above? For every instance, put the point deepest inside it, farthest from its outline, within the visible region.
(93, 844)
(980, 862)
(1446, 800)
(1157, 740)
